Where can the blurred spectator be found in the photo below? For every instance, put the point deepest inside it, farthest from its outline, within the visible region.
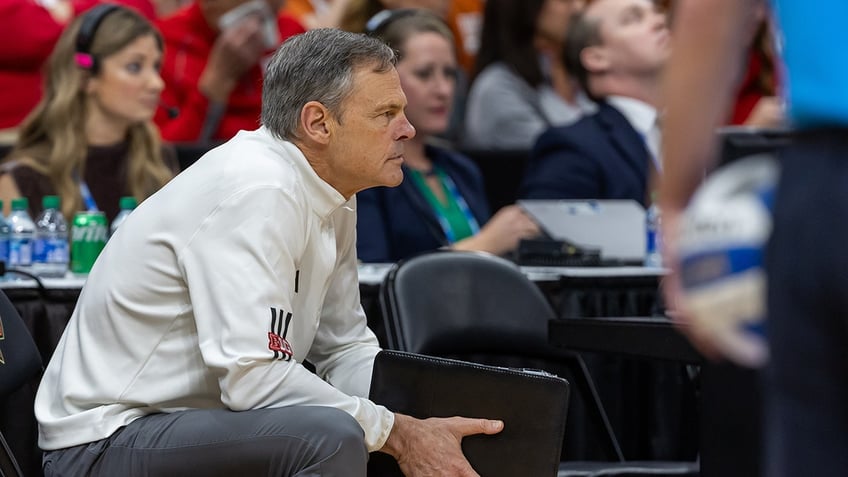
(316, 13)
(146, 8)
(617, 49)
(521, 86)
(91, 140)
(464, 17)
(165, 8)
(357, 13)
(28, 31)
(756, 101)
(213, 74)
(441, 202)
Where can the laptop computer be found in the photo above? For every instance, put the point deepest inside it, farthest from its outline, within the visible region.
(615, 227)
(532, 405)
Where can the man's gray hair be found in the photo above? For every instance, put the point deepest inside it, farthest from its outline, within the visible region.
(316, 66)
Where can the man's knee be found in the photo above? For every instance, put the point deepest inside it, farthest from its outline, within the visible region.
(339, 427)
(338, 442)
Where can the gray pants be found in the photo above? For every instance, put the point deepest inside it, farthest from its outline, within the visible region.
(291, 441)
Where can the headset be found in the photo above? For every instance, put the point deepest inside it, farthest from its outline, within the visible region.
(83, 57)
(377, 25)
(90, 22)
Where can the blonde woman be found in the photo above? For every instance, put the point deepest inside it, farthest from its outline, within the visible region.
(442, 201)
(91, 140)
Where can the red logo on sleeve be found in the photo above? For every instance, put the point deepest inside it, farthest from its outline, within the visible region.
(276, 342)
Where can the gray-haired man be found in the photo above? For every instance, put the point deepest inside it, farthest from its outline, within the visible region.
(184, 353)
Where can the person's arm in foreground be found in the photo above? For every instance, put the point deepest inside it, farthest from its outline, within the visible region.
(708, 43)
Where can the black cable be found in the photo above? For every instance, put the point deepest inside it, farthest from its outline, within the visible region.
(4, 271)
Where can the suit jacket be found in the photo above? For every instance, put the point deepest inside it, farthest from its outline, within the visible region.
(599, 157)
(394, 223)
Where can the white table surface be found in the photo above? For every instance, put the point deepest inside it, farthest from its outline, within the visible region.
(374, 273)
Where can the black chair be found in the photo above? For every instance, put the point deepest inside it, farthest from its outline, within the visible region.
(20, 363)
(481, 308)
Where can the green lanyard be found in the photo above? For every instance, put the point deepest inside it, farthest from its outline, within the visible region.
(454, 216)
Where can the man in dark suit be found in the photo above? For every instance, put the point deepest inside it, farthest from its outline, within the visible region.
(616, 49)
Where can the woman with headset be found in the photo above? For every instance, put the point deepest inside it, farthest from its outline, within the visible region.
(90, 140)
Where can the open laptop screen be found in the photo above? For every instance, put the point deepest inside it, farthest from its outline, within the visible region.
(616, 227)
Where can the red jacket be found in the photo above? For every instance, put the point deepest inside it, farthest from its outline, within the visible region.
(27, 35)
(188, 42)
(24, 49)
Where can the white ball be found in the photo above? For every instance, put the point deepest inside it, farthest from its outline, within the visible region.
(721, 248)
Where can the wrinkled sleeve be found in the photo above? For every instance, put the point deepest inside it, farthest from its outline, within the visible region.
(240, 268)
(345, 347)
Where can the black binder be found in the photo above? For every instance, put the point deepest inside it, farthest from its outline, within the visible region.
(531, 403)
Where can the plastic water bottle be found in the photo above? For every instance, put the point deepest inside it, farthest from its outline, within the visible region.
(653, 242)
(5, 233)
(127, 205)
(50, 250)
(21, 235)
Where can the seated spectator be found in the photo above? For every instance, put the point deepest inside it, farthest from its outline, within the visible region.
(213, 76)
(617, 49)
(463, 16)
(91, 139)
(33, 28)
(521, 86)
(441, 202)
(357, 13)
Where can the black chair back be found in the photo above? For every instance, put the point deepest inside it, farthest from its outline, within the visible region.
(450, 302)
(20, 362)
(481, 308)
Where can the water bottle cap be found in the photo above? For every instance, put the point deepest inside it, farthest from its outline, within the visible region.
(127, 203)
(50, 201)
(20, 203)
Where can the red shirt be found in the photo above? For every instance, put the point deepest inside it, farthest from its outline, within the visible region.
(188, 43)
(750, 91)
(25, 47)
(27, 34)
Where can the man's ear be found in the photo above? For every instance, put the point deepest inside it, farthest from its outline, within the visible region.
(594, 59)
(316, 122)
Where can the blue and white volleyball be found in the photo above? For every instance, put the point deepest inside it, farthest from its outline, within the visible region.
(724, 231)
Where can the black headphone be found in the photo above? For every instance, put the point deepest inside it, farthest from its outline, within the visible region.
(90, 21)
(376, 25)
